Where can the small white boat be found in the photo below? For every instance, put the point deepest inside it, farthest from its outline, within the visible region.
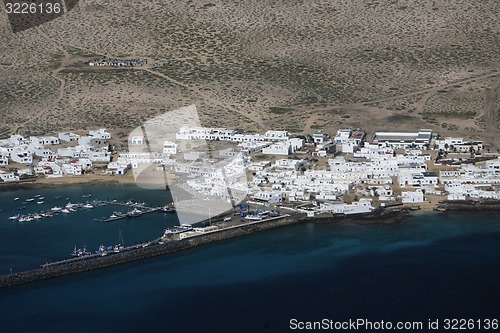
(37, 196)
(88, 206)
(40, 202)
(253, 217)
(227, 219)
(16, 198)
(56, 209)
(65, 210)
(30, 200)
(15, 217)
(37, 217)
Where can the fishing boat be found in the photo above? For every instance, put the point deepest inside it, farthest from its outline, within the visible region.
(120, 214)
(37, 196)
(134, 213)
(30, 200)
(65, 210)
(15, 217)
(253, 217)
(56, 209)
(86, 196)
(167, 209)
(88, 206)
(80, 252)
(37, 216)
(16, 198)
(40, 202)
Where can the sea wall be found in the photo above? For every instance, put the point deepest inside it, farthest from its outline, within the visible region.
(155, 249)
(470, 205)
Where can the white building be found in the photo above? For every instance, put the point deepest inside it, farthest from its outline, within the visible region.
(459, 144)
(319, 137)
(404, 139)
(412, 197)
(137, 140)
(40, 141)
(296, 143)
(8, 176)
(68, 137)
(360, 207)
(268, 196)
(170, 148)
(282, 148)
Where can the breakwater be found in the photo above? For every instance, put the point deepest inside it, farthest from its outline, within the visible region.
(469, 205)
(155, 248)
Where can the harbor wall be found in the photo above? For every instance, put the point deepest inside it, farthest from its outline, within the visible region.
(155, 249)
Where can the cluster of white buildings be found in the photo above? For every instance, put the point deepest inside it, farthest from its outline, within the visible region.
(46, 155)
(372, 168)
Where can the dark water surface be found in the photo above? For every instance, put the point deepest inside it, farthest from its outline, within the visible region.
(430, 266)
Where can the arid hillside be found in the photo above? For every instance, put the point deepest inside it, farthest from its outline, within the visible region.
(299, 65)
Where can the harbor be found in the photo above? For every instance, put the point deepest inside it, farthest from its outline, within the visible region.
(135, 209)
(159, 246)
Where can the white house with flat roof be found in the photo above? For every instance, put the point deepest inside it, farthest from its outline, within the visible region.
(459, 144)
(281, 148)
(8, 176)
(404, 139)
(68, 136)
(170, 148)
(412, 197)
(38, 141)
(137, 140)
(268, 196)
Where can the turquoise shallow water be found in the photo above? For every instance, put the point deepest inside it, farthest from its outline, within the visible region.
(428, 266)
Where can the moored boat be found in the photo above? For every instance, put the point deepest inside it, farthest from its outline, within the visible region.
(167, 209)
(134, 213)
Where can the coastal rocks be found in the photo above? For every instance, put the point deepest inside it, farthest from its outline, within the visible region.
(470, 205)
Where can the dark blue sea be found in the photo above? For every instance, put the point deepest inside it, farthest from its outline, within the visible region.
(426, 267)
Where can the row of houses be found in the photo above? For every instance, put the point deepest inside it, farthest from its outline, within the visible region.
(39, 152)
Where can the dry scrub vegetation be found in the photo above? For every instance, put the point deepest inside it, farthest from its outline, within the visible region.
(299, 65)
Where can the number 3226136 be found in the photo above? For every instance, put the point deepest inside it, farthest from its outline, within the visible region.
(32, 8)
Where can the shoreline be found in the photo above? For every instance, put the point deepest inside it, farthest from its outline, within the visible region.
(66, 181)
(387, 215)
